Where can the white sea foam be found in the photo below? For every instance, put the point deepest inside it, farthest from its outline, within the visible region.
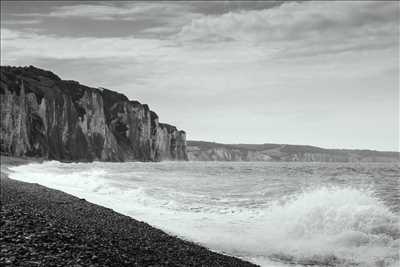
(232, 212)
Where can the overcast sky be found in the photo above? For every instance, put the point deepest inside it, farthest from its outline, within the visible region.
(318, 73)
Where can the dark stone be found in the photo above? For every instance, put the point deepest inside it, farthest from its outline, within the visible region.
(51, 228)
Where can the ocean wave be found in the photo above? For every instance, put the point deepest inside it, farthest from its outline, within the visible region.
(337, 225)
(334, 226)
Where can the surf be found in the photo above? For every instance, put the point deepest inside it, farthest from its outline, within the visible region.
(340, 224)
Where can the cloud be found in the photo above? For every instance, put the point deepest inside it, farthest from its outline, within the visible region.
(297, 72)
(7, 34)
(111, 12)
(221, 7)
(311, 27)
(145, 19)
(120, 10)
(21, 44)
(18, 44)
(21, 22)
(99, 19)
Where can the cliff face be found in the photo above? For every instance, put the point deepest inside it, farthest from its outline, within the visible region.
(44, 116)
(207, 151)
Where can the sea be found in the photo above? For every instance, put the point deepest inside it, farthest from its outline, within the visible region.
(269, 213)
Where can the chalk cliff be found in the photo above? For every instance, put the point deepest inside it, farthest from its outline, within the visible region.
(208, 151)
(44, 116)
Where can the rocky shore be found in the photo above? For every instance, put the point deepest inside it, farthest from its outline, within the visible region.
(45, 227)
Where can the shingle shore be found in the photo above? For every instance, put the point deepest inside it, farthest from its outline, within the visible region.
(46, 227)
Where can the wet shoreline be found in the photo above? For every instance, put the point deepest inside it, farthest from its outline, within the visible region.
(47, 227)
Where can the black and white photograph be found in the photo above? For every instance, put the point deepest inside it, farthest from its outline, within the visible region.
(200, 133)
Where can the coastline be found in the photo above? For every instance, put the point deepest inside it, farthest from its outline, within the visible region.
(42, 226)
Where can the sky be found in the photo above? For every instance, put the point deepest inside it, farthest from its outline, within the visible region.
(313, 73)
